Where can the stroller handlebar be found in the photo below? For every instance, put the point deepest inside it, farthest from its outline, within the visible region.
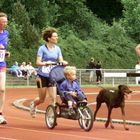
(57, 63)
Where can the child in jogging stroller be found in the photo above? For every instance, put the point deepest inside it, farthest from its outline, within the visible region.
(74, 102)
(70, 89)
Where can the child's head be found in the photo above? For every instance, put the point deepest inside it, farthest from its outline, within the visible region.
(70, 72)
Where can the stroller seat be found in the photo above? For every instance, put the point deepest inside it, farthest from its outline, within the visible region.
(57, 76)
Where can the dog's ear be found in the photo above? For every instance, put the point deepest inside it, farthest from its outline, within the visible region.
(120, 86)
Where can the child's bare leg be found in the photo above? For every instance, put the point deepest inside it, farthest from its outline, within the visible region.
(70, 104)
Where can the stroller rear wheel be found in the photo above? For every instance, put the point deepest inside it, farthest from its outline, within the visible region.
(50, 117)
(86, 118)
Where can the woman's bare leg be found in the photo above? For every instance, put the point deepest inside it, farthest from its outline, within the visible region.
(41, 96)
(52, 95)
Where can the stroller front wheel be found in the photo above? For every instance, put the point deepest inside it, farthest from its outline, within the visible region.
(50, 117)
(86, 118)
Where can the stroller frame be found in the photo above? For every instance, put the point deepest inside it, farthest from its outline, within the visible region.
(83, 112)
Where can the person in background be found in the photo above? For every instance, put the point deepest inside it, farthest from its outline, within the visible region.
(4, 34)
(91, 66)
(31, 70)
(98, 72)
(70, 88)
(47, 55)
(16, 70)
(23, 68)
(137, 68)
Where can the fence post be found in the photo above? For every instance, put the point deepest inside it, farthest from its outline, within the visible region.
(113, 82)
(27, 80)
(80, 77)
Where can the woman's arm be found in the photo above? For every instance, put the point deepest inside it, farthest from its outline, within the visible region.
(44, 63)
(61, 60)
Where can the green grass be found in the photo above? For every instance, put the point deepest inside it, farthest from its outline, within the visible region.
(83, 86)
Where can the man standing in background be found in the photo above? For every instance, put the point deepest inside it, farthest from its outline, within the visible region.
(91, 66)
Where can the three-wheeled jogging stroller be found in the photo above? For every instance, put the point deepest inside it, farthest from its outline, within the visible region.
(83, 113)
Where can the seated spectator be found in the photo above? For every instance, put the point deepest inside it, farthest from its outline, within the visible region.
(31, 70)
(16, 70)
(23, 68)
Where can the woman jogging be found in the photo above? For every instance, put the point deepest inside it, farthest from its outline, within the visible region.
(47, 55)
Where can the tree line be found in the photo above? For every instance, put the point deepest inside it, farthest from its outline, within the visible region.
(85, 29)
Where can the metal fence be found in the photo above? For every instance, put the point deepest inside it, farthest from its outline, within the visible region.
(110, 77)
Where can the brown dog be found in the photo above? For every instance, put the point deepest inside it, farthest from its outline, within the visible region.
(113, 98)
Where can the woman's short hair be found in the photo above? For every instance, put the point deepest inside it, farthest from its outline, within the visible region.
(47, 33)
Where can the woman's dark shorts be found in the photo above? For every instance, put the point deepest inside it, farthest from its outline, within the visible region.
(42, 81)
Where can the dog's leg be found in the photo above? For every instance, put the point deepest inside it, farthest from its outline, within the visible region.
(123, 118)
(111, 124)
(98, 105)
(108, 118)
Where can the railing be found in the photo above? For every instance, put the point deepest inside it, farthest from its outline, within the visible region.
(110, 77)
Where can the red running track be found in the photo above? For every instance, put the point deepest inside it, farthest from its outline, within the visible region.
(22, 127)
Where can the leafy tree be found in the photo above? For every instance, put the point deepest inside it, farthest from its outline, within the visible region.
(107, 10)
(7, 6)
(1, 3)
(29, 32)
(131, 18)
(74, 15)
(82, 33)
(73, 50)
(39, 12)
(16, 40)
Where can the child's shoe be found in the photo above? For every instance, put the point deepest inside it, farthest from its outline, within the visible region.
(71, 111)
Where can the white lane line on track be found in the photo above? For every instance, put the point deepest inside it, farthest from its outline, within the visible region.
(90, 93)
(69, 135)
(53, 133)
(127, 102)
(137, 91)
(5, 138)
(34, 121)
(94, 93)
(126, 132)
(66, 125)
